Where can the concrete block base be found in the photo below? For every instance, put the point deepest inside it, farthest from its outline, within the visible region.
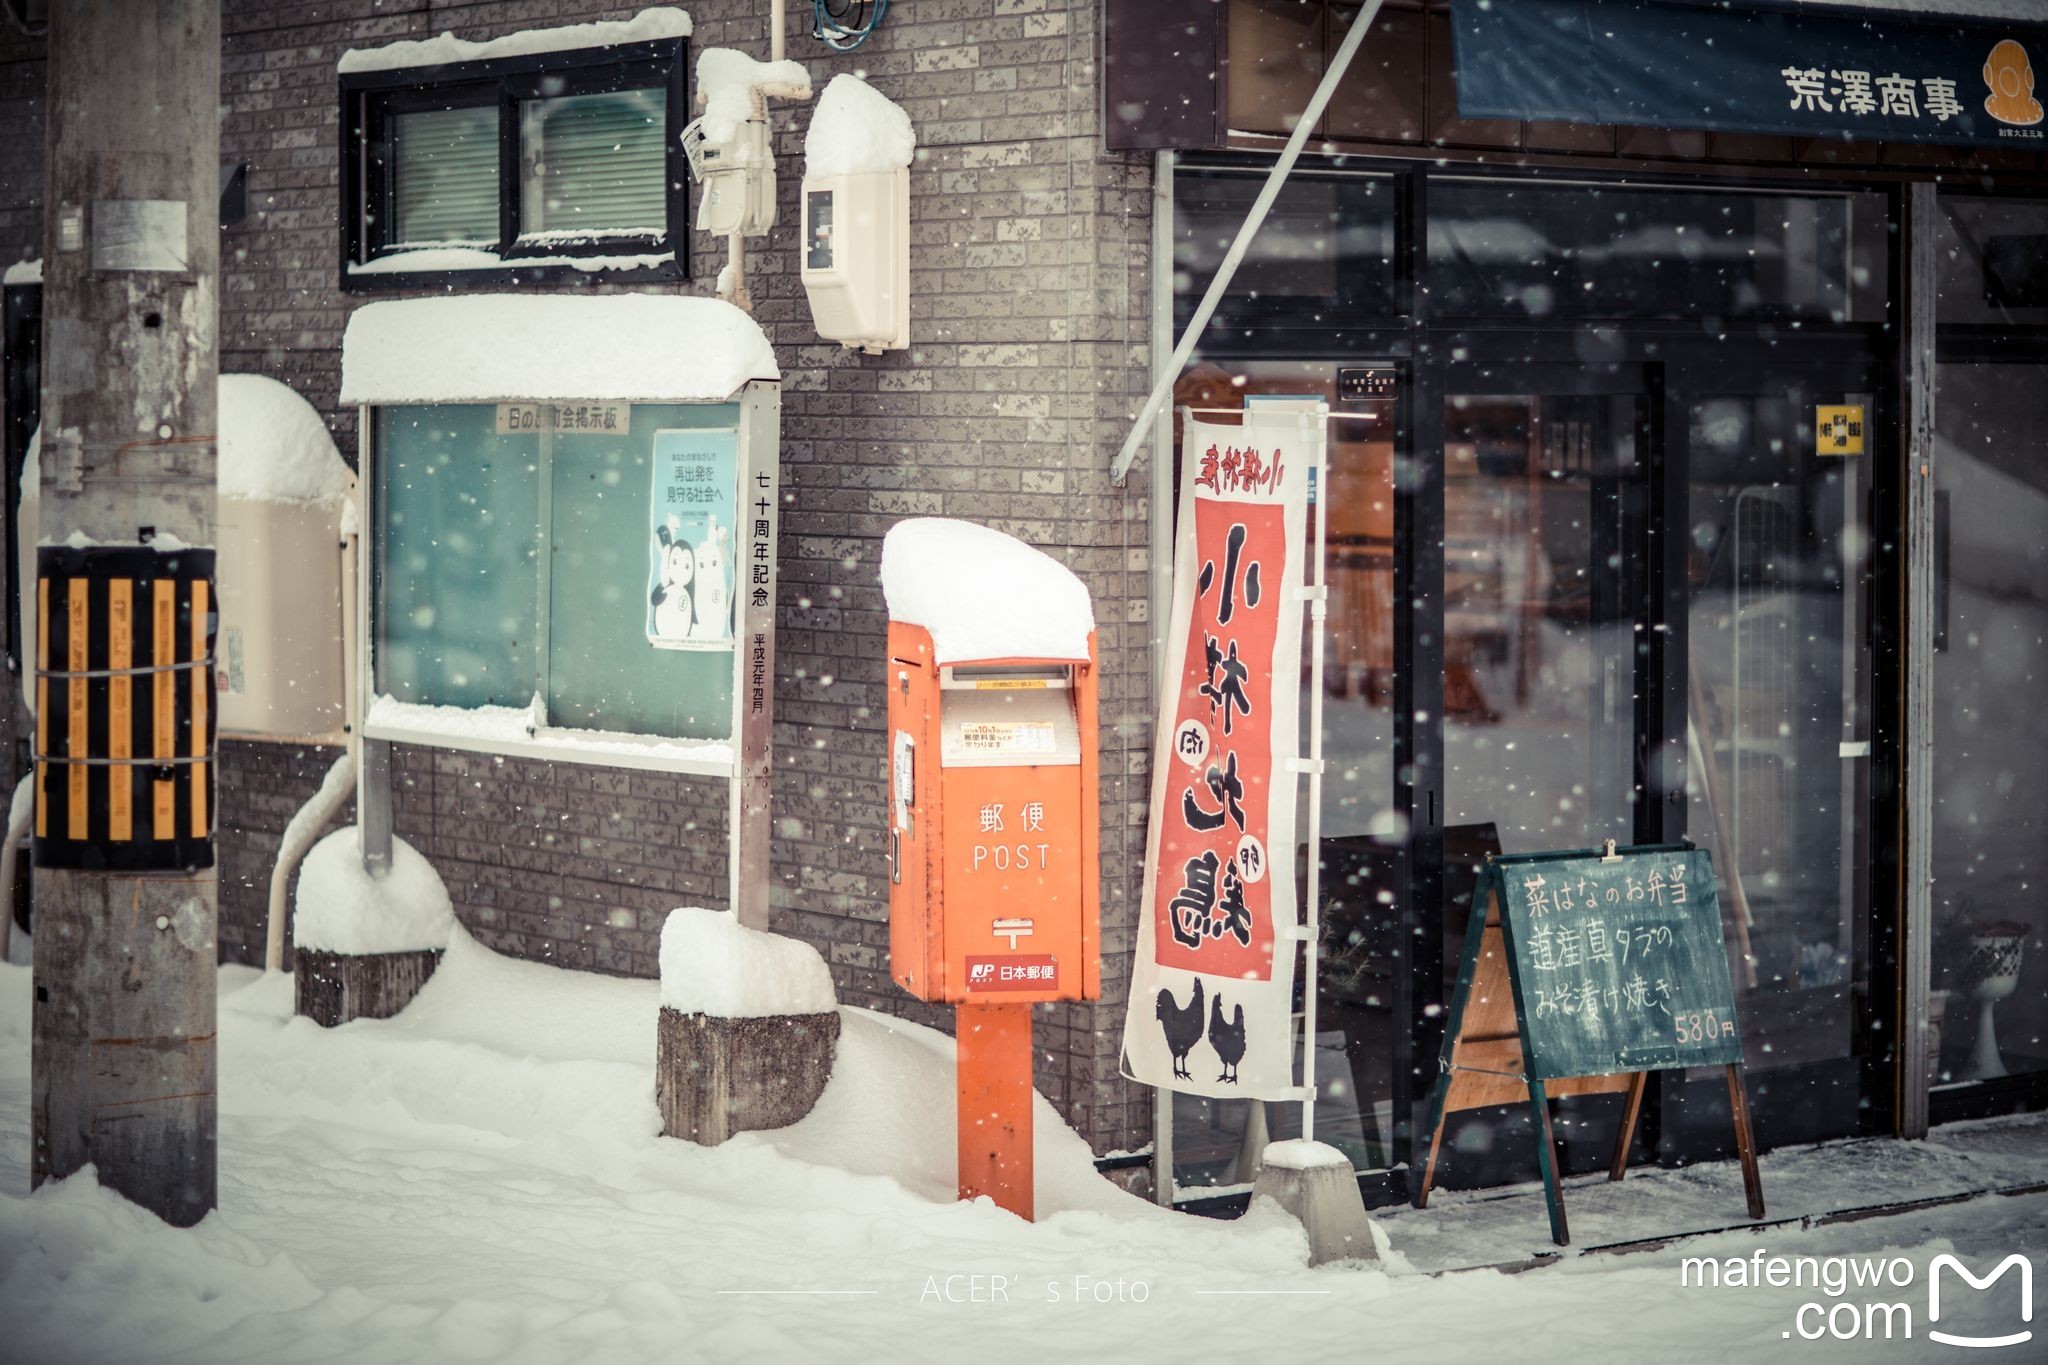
(1324, 1197)
(715, 1077)
(333, 988)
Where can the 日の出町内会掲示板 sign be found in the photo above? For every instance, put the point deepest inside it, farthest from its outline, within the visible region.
(1584, 971)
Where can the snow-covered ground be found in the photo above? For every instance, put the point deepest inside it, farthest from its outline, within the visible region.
(481, 1179)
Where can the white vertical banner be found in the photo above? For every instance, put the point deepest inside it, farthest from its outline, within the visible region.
(1212, 988)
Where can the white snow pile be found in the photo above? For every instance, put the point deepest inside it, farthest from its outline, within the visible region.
(273, 446)
(341, 908)
(712, 964)
(726, 80)
(662, 21)
(484, 348)
(857, 130)
(982, 594)
(522, 729)
(23, 272)
(481, 1178)
(1297, 1154)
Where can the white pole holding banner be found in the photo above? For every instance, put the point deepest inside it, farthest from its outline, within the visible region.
(1312, 924)
(1261, 206)
(1312, 421)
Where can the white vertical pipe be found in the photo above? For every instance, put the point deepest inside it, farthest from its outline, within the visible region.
(1160, 563)
(1261, 206)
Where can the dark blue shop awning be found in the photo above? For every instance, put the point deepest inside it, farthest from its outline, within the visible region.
(1875, 73)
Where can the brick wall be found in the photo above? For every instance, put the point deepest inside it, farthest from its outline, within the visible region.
(1029, 321)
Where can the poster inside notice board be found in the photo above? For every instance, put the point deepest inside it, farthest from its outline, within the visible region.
(692, 518)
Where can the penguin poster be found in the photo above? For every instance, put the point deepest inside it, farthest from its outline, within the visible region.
(692, 522)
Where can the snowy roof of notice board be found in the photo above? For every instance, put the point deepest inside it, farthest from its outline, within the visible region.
(488, 348)
(649, 25)
(983, 594)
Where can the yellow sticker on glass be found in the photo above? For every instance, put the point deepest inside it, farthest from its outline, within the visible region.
(1838, 430)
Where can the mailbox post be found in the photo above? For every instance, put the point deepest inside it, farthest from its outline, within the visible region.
(994, 892)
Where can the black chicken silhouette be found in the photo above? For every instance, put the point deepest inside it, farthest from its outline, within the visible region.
(1227, 1038)
(1183, 1026)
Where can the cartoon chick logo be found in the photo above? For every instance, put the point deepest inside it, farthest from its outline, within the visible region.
(2011, 78)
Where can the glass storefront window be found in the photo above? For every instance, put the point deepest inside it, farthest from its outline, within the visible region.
(1541, 249)
(1990, 850)
(1325, 254)
(1276, 59)
(1539, 631)
(1991, 261)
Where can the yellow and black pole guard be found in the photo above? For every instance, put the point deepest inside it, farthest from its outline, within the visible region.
(125, 719)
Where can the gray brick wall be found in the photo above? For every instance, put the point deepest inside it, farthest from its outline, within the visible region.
(1029, 318)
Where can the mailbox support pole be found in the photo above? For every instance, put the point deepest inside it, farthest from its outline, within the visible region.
(993, 1086)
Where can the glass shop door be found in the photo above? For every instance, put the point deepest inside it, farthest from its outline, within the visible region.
(1778, 448)
(1548, 659)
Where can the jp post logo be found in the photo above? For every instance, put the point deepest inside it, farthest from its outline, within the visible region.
(1876, 1298)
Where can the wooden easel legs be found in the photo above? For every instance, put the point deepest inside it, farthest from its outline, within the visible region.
(1436, 1142)
(1546, 1157)
(1631, 1110)
(1745, 1142)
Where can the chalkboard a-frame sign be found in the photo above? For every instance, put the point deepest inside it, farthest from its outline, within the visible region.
(1587, 971)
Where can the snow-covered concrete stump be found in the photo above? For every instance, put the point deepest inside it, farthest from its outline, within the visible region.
(1315, 1182)
(749, 1027)
(363, 945)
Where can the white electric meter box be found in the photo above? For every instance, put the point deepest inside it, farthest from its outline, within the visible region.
(856, 258)
(737, 176)
(279, 659)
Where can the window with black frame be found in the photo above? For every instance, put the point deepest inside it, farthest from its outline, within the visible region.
(562, 165)
(1324, 256)
(1988, 988)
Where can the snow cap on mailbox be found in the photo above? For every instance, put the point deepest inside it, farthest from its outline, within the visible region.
(982, 594)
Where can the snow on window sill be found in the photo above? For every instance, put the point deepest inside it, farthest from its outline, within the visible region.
(436, 260)
(512, 731)
(659, 22)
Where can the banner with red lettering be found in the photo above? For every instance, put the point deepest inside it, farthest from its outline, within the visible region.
(1212, 987)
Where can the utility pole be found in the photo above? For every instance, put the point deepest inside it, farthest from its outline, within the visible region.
(125, 904)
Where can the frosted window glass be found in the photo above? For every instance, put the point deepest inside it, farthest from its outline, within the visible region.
(595, 163)
(445, 176)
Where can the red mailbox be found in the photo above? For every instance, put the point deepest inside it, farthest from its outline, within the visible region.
(994, 813)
